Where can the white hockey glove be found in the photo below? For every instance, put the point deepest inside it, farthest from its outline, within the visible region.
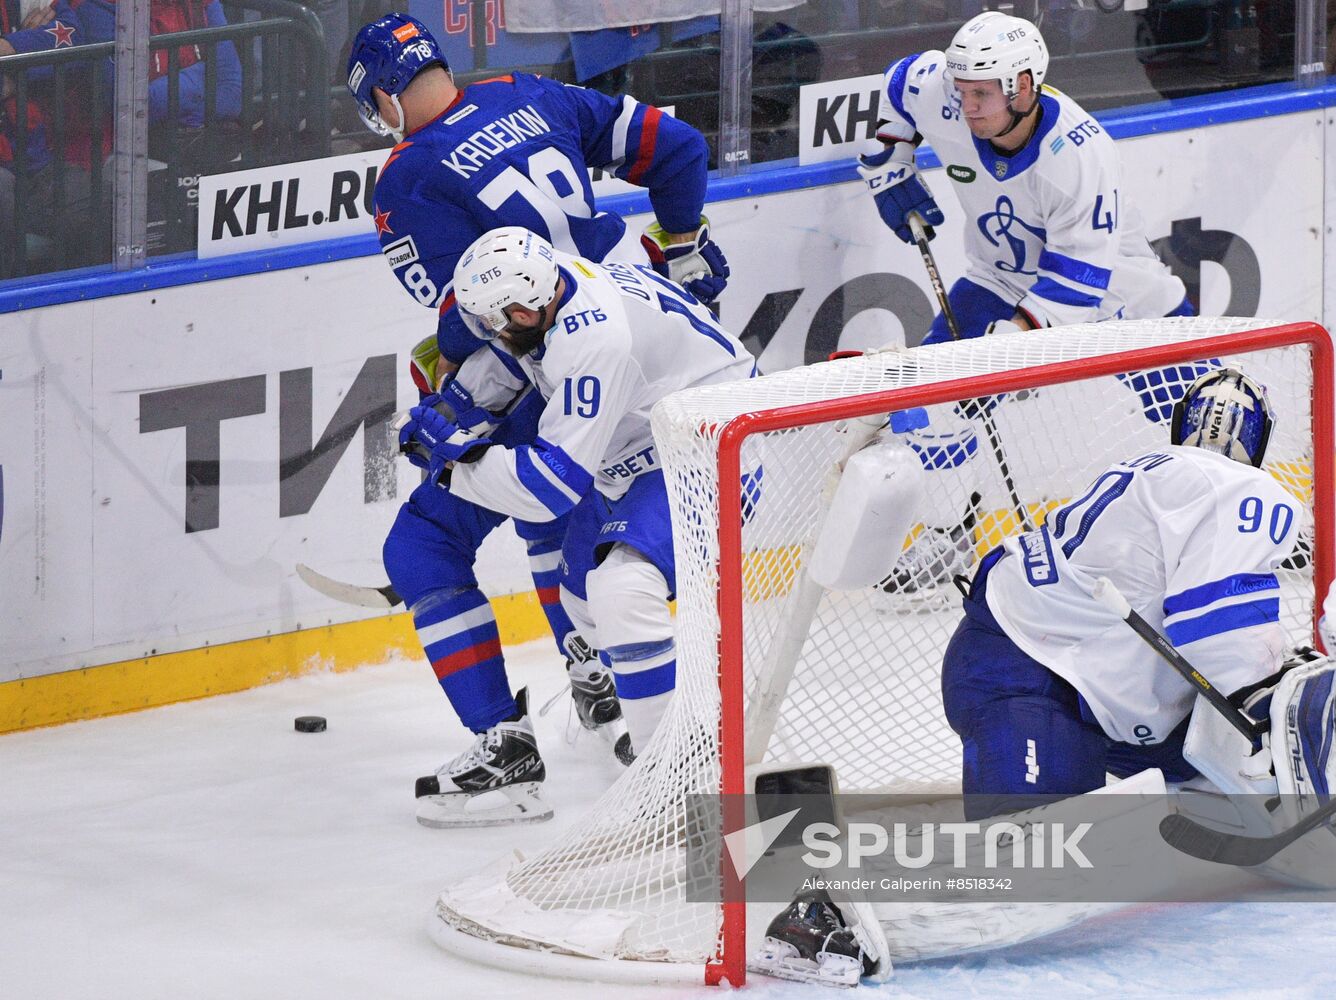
(893, 180)
(1002, 326)
(698, 265)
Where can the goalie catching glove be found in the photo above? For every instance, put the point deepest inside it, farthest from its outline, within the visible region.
(893, 180)
(698, 265)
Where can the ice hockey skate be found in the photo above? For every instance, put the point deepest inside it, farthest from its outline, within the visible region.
(933, 558)
(810, 942)
(495, 782)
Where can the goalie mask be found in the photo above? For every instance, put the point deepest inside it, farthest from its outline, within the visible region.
(388, 53)
(506, 267)
(1226, 412)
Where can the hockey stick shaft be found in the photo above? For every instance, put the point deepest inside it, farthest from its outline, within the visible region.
(978, 406)
(1107, 594)
(1192, 838)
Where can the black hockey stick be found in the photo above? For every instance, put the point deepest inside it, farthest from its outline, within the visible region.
(350, 593)
(1107, 594)
(1192, 838)
(973, 407)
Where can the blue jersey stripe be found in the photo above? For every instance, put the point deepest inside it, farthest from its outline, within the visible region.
(1047, 288)
(570, 472)
(1226, 619)
(537, 484)
(646, 683)
(1075, 270)
(897, 87)
(1218, 590)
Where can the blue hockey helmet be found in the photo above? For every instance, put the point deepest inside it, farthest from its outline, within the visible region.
(1226, 412)
(388, 53)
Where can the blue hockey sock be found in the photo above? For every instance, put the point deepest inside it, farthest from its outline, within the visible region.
(545, 565)
(458, 632)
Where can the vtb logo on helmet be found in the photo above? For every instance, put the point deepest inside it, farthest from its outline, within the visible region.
(1226, 412)
(505, 267)
(997, 46)
(388, 53)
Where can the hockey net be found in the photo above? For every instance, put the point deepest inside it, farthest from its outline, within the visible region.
(772, 669)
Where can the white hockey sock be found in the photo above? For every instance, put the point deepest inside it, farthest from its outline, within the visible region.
(628, 597)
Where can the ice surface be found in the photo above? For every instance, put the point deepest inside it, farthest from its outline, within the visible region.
(206, 850)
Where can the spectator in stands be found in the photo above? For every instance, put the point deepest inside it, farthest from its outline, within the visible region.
(68, 23)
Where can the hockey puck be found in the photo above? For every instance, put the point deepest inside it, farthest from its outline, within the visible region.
(309, 724)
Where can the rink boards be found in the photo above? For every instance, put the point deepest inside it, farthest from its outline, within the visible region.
(168, 455)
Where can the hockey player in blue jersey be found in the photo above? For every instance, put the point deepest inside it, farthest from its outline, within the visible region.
(511, 150)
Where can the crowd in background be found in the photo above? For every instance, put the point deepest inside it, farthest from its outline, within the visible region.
(266, 85)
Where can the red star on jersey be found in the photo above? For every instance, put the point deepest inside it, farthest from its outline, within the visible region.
(383, 223)
(63, 33)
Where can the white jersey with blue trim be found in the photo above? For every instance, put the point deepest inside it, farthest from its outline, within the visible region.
(1192, 539)
(623, 338)
(1050, 227)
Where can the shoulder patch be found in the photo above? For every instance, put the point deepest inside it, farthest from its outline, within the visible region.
(960, 173)
(400, 253)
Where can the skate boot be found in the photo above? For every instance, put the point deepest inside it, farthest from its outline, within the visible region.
(934, 556)
(810, 942)
(495, 782)
(595, 698)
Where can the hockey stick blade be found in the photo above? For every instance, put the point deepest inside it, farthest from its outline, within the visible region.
(349, 593)
(1198, 841)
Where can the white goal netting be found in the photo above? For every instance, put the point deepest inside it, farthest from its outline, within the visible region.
(850, 678)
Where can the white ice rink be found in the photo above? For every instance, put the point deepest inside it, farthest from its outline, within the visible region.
(207, 850)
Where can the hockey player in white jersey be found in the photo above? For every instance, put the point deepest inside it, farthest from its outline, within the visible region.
(1050, 691)
(1052, 235)
(602, 343)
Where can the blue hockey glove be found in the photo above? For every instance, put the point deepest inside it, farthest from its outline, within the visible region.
(456, 404)
(433, 442)
(897, 190)
(698, 266)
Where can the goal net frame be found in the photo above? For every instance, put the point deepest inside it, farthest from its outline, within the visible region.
(730, 960)
(473, 919)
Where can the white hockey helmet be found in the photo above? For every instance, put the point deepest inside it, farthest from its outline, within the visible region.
(504, 267)
(1226, 412)
(997, 46)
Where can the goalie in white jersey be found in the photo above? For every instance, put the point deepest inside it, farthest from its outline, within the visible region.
(1052, 235)
(602, 343)
(1050, 691)
(1047, 689)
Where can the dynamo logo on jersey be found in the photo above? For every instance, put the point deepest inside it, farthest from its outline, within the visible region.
(996, 227)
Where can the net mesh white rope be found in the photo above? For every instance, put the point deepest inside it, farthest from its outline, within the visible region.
(864, 694)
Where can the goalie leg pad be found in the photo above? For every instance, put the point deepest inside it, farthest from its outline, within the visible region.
(870, 515)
